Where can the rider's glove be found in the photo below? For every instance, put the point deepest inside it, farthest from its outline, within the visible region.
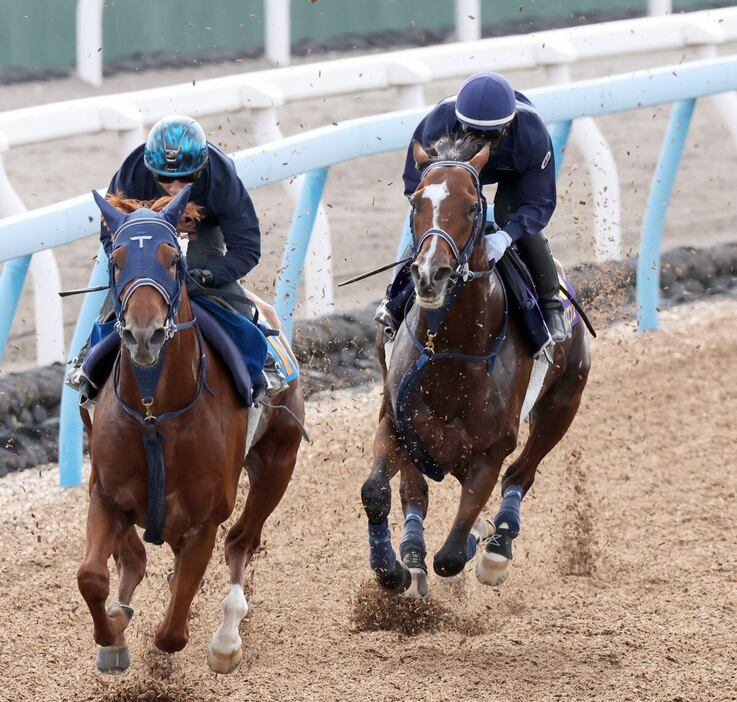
(202, 276)
(496, 244)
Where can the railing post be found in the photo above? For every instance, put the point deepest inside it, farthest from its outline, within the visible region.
(664, 176)
(318, 266)
(89, 41)
(277, 32)
(559, 133)
(468, 20)
(45, 275)
(659, 7)
(70, 423)
(295, 251)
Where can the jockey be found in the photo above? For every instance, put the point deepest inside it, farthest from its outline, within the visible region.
(227, 245)
(520, 162)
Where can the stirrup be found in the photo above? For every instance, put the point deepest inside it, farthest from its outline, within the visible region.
(274, 380)
(387, 320)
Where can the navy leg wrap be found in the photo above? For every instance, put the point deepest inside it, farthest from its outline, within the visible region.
(414, 533)
(471, 543)
(382, 557)
(509, 511)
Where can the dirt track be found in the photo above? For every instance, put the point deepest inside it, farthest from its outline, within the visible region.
(624, 585)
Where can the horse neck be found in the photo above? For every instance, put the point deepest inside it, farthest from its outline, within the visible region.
(475, 317)
(179, 373)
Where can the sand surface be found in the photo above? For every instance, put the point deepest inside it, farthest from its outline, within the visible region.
(623, 587)
(366, 207)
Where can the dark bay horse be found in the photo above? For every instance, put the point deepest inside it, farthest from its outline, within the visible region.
(171, 403)
(455, 383)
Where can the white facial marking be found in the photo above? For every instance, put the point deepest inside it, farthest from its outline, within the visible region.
(436, 193)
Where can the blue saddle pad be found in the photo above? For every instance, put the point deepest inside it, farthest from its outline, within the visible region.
(241, 344)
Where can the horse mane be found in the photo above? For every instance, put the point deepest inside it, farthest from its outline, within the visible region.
(452, 148)
(191, 217)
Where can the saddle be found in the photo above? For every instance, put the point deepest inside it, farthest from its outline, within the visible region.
(242, 344)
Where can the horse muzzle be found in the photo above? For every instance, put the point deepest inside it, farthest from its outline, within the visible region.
(431, 284)
(144, 345)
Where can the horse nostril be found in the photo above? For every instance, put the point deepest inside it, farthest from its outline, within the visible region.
(158, 337)
(414, 271)
(442, 274)
(128, 337)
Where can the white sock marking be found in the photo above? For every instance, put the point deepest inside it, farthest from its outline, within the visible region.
(226, 639)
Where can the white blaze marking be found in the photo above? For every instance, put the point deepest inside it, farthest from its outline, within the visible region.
(140, 240)
(436, 193)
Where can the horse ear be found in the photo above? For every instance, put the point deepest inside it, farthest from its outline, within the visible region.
(173, 212)
(419, 155)
(113, 217)
(481, 157)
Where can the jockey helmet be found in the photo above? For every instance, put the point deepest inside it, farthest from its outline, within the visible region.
(176, 146)
(485, 102)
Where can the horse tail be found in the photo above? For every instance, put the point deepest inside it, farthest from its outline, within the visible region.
(153, 443)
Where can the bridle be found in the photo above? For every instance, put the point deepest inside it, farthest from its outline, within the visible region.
(461, 256)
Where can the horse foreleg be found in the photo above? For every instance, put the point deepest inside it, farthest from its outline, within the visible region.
(467, 529)
(376, 496)
(104, 525)
(270, 465)
(191, 561)
(414, 494)
(130, 557)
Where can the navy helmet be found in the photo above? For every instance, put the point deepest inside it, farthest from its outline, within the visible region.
(176, 146)
(485, 102)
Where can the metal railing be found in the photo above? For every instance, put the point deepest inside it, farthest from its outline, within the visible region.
(312, 153)
(406, 71)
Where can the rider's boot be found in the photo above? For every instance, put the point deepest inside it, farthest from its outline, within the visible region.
(536, 254)
(76, 379)
(390, 313)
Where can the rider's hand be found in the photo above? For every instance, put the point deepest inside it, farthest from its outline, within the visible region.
(496, 244)
(203, 276)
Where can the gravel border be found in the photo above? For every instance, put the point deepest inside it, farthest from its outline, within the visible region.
(337, 351)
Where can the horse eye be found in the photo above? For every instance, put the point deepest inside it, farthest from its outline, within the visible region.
(174, 262)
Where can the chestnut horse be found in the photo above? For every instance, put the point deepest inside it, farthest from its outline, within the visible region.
(167, 445)
(454, 387)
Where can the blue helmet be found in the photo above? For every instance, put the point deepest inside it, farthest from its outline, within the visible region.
(486, 101)
(176, 146)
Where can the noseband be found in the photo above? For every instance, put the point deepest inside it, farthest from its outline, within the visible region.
(462, 270)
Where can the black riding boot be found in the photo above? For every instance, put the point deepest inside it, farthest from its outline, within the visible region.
(536, 254)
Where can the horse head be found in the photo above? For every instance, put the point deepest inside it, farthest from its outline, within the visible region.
(146, 274)
(447, 221)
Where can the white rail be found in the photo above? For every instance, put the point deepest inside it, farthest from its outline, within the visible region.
(406, 71)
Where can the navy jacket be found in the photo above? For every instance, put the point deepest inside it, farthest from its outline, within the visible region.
(524, 161)
(224, 199)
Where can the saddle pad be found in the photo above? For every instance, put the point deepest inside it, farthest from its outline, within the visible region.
(571, 312)
(280, 351)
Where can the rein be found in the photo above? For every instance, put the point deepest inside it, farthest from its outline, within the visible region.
(416, 372)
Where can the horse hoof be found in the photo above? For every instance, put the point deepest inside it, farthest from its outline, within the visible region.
(492, 569)
(224, 663)
(113, 659)
(396, 582)
(418, 587)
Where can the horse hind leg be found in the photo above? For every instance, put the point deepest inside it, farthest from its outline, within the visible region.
(104, 525)
(270, 465)
(550, 419)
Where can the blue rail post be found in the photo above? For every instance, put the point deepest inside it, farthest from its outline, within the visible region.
(666, 169)
(70, 423)
(290, 271)
(559, 133)
(11, 286)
